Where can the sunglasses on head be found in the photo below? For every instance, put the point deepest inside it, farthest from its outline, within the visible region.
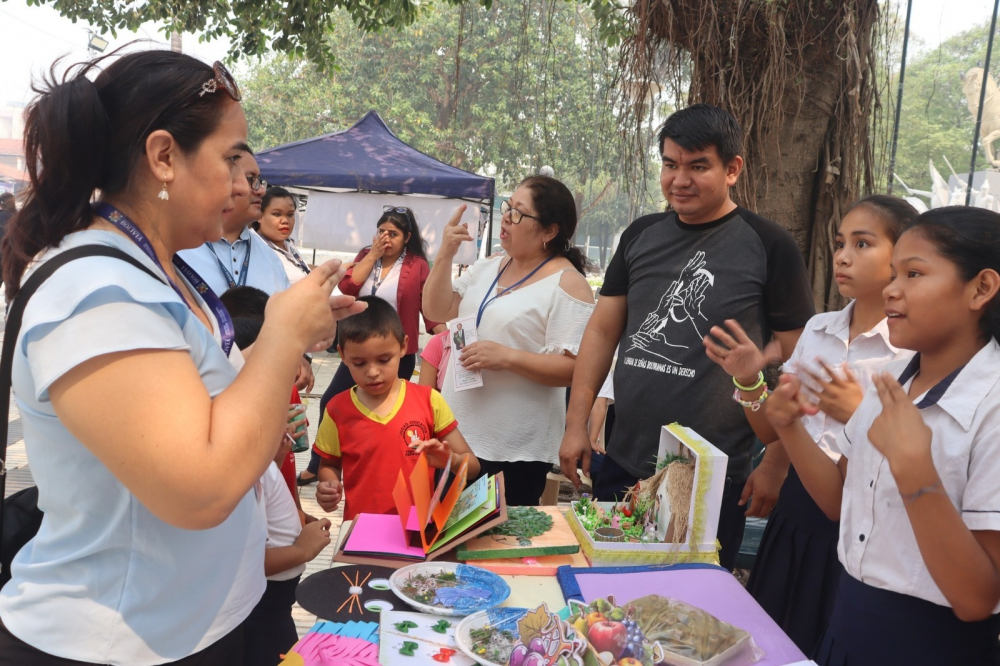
(222, 78)
(395, 209)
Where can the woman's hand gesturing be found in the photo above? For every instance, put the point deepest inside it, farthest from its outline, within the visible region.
(307, 312)
(454, 235)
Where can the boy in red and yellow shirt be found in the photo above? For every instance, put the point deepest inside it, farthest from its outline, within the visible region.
(383, 424)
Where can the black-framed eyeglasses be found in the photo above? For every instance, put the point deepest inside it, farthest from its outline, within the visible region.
(257, 183)
(396, 209)
(515, 214)
(221, 78)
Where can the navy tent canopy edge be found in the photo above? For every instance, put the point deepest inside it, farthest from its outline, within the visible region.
(368, 157)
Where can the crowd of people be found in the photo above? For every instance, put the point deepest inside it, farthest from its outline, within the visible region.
(172, 530)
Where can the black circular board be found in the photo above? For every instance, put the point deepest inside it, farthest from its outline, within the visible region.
(327, 594)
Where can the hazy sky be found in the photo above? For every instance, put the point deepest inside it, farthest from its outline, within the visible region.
(31, 38)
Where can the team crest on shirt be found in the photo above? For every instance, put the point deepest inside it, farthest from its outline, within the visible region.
(414, 432)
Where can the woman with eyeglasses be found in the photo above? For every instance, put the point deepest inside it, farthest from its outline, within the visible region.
(277, 222)
(531, 307)
(146, 446)
(394, 268)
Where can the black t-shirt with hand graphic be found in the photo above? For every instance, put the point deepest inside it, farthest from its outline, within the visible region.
(680, 280)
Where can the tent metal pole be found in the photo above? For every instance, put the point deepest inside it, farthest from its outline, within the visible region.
(489, 235)
(899, 96)
(982, 101)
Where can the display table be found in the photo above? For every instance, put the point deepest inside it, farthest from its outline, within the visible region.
(708, 587)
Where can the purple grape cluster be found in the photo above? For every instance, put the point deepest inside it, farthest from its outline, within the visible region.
(633, 646)
(531, 655)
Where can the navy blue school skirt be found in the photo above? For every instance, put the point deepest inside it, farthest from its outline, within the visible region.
(873, 627)
(796, 573)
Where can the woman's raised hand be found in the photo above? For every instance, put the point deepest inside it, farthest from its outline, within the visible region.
(454, 235)
(378, 245)
(307, 311)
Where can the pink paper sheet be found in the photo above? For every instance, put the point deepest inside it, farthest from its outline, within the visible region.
(712, 590)
(378, 534)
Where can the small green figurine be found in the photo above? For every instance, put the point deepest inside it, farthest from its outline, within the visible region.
(409, 648)
(441, 627)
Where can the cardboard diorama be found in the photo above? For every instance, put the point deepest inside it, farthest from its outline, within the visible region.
(673, 516)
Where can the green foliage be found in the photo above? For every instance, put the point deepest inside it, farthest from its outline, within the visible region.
(499, 91)
(294, 27)
(935, 119)
(669, 458)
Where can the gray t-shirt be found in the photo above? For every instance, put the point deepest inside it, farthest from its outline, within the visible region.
(680, 280)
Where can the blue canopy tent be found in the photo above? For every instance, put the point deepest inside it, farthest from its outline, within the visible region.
(369, 158)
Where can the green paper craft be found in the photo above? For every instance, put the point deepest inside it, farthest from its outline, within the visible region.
(524, 524)
(405, 626)
(409, 648)
(441, 627)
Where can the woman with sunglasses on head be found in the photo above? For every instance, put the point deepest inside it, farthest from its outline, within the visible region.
(151, 549)
(276, 225)
(531, 306)
(394, 268)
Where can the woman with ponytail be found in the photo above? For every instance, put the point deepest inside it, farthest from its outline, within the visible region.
(531, 306)
(151, 549)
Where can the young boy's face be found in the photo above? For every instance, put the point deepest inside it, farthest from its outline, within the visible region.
(697, 182)
(374, 363)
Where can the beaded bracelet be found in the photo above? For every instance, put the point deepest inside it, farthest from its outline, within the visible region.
(756, 385)
(753, 405)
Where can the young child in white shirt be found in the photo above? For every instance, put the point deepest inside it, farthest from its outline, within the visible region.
(269, 631)
(917, 489)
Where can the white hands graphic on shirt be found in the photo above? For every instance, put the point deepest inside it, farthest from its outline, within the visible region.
(680, 304)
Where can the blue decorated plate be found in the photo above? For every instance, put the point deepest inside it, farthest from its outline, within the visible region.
(447, 588)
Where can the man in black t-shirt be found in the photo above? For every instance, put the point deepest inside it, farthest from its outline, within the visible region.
(674, 277)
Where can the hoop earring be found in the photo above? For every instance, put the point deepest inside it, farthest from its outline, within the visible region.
(164, 195)
(545, 245)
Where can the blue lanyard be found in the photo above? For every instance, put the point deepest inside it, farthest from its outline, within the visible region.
(121, 221)
(225, 271)
(496, 281)
(377, 269)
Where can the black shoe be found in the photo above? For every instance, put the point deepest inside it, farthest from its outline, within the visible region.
(305, 482)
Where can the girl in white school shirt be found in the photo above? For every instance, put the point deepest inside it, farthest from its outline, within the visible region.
(917, 490)
(796, 572)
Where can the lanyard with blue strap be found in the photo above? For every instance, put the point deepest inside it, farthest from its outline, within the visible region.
(377, 271)
(225, 271)
(121, 221)
(487, 300)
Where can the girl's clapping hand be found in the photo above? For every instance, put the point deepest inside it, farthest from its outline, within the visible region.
(899, 432)
(787, 404)
(838, 394)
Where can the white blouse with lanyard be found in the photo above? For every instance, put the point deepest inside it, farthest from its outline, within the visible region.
(295, 266)
(386, 287)
(112, 581)
(511, 418)
(877, 545)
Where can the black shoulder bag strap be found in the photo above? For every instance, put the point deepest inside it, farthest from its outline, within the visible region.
(13, 328)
